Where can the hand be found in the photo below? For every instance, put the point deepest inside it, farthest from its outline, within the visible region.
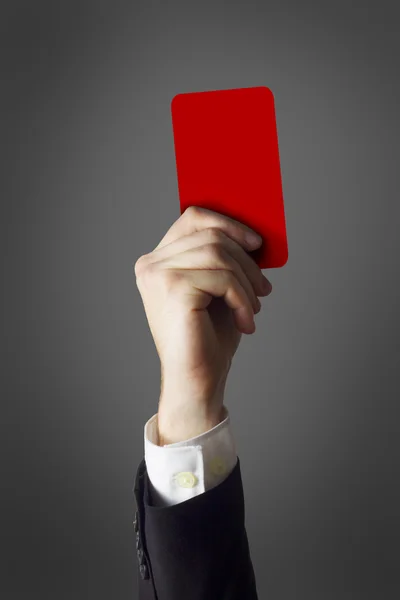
(199, 288)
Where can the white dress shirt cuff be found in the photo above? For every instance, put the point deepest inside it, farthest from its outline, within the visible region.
(185, 469)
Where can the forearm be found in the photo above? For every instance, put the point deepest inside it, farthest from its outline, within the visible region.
(182, 416)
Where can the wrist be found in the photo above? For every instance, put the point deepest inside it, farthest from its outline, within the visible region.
(180, 423)
(187, 407)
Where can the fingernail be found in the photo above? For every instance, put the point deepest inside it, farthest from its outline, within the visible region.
(266, 286)
(253, 240)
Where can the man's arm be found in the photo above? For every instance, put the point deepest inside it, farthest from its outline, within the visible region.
(199, 288)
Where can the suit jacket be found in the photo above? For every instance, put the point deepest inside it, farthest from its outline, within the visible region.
(194, 550)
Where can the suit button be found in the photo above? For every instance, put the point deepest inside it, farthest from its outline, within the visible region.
(144, 572)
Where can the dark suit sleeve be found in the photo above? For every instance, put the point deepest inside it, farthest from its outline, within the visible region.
(197, 549)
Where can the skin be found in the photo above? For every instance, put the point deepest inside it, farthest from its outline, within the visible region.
(200, 289)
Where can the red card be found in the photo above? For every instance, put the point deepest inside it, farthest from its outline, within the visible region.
(227, 159)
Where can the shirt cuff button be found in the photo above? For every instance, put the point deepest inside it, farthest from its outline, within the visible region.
(218, 466)
(186, 480)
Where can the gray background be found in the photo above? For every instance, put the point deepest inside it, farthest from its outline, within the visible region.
(89, 184)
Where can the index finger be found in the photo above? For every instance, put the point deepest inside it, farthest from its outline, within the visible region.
(196, 218)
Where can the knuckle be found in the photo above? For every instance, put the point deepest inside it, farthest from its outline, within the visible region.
(139, 265)
(192, 212)
(165, 280)
(215, 235)
(144, 277)
(170, 279)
